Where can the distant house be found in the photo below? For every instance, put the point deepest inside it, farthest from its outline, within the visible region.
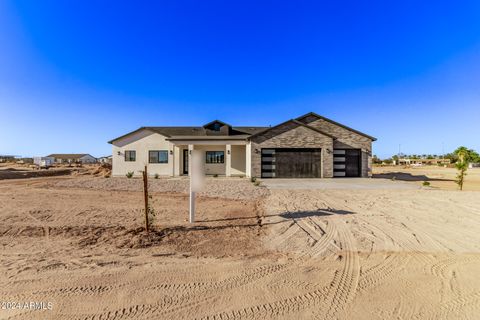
(421, 161)
(72, 158)
(7, 158)
(310, 146)
(43, 161)
(106, 159)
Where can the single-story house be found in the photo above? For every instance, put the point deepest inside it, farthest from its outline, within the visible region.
(105, 159)
(73, 158)
(310, 146)
(7, 158)
(421, 161)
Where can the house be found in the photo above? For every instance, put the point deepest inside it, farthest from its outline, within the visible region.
(310, 146)
(73, 158)
(7, 158)
(105, 159)
(421, 161)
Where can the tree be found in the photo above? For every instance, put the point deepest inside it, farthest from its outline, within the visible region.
(464, 156)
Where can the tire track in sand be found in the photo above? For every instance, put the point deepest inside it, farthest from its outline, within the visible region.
(345, 282)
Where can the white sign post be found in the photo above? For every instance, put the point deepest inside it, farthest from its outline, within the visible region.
(196, 179)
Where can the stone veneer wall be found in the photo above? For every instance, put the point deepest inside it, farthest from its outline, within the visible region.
(292, 135)
(346, 139)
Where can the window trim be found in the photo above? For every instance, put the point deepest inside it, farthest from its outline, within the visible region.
(158, 156)
(215, 152)
(130, 152)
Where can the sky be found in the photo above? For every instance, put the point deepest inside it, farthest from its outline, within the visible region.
(76, 74)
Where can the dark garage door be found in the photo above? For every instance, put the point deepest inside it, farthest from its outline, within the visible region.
(347, 163)
(291, 163)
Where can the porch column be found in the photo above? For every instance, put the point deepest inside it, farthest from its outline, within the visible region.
(248, 160)
(176, 161)
(228, 163)
(190, 151)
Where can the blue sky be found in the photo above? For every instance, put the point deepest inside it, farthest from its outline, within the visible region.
(74, 75)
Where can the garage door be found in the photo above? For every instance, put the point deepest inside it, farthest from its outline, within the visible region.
(346, 163)
(291, 163)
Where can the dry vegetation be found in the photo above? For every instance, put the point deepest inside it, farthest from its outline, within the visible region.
(77, 242)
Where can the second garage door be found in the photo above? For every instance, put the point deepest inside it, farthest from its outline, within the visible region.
(291, 163)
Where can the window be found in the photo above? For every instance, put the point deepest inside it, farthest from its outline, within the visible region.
(216, 126)
(130, 155)
(215, 157)
(156, 156)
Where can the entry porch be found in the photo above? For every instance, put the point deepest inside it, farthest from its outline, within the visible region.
(222, 158)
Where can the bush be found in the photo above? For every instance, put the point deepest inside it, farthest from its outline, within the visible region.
(256, 183)
(426, 184)
(129, 174)
(253, 179)
(215, 175)
(156, 176)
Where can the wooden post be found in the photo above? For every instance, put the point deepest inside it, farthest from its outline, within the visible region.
(145, 195)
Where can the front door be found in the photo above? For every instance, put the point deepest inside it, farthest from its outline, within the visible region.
(185, 161)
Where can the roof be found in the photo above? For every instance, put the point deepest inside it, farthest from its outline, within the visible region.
(170, 132)
(296, 122)
(335, 123)
(241, 132)
(235, 137)
(68, 155)
(216, 121)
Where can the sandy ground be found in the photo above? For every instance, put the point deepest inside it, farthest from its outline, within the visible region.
(439, 177)
(254, 254)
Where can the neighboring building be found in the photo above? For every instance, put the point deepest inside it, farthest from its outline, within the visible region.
(24, 160)
(421, 161)
(106, 159)
(7, 158)
(73, 158)
(310, 146)
(44, 161)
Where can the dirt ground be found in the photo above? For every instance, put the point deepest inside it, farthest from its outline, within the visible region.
(77, 243)
(438, 177)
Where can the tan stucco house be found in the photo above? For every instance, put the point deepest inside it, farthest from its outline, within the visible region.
(310, 146)
(72, 158)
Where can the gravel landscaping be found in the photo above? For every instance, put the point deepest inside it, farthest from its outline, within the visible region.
(231, 188)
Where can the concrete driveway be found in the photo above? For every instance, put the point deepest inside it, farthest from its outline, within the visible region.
(339, 183)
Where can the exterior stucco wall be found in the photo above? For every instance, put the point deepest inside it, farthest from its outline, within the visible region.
(238, 160)
(213, 168)
(291, 135)
(141, 142)
(346, 139)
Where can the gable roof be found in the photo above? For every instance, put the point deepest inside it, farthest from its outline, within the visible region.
(216, 121)
(335, 123)
(242, 132)
(191, 131)
(296, 122)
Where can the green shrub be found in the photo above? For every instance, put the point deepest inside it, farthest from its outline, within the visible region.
(426, 184)
(253, 179)
(256, 183)
(129, 174)
(215, 175)
(156, 176)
